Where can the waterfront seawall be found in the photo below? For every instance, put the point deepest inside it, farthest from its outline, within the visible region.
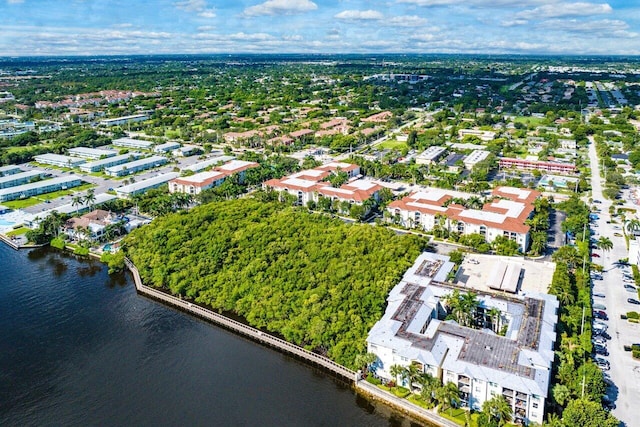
(362, 387)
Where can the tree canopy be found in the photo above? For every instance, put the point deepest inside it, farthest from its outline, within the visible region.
(314, 280)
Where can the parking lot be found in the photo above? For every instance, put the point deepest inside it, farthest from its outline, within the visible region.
(624, 370)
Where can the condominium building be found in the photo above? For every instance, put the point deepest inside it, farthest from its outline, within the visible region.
(158, 181)
(41, 187)
(506, 349)
(483, 135)
(195, 184)
(91, 153)
(166, 147)
(21, 178)
(9, 170)
(474, 158)
(310, 185)
(59, 160)
(214, 161)
(99, 165)
(504, 215)
(431, 155)
(136, 166)
(138, 144)
(124, 120)
(529, 165)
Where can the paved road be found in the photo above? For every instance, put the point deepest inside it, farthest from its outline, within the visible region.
(625, 371)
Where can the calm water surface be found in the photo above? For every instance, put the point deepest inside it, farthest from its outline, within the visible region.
(78, 347)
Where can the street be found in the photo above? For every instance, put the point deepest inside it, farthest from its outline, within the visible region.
(625, 371)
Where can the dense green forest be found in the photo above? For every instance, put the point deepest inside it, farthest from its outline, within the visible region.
(315, 280)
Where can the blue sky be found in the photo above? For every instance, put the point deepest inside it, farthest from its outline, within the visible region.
(90, 27)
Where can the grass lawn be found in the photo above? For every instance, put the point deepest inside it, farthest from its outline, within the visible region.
(17, 231)
(458, 416)
(393, 145)
(529, 121)
(31, 201)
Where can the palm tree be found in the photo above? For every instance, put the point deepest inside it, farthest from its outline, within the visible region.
(396, 371)
(448, 396)
(77, 201)
(411, 374)
(429, 386)
(632, 226)
(497, 409)
(494, 314)
(605, 243)
(90, 198)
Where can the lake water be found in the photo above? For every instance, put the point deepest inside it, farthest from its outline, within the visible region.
(80, 347)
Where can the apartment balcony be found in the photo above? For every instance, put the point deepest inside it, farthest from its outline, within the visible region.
(507, 392)
(464, 380)
(521, 404)
(521, 395)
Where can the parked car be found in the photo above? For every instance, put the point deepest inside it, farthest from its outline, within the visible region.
(599, 340)
(630, 288)
(599, 307)
(602, 351)
(617, 234)
(602, 363)
(599, 295)
(599, 314)
(604, 335)
(633, 301)
(594, 255)
(597, 201)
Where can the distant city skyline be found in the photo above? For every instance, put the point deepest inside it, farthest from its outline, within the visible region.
(90, 27)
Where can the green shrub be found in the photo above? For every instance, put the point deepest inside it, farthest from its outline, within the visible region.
(401, 392)
(636, 354)
(373, 380)
(81, 251)
(58, 243)
(635, 347)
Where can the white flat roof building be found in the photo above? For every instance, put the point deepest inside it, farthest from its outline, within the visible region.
(40, 187)
(474, 158)
(135, 166)
(430, 155)
(59, 160)
(20, 178)
(98, 165)
(214, 161)
(91, 153)
(482, 363)
(132, 143)
(9, 170)
(142, 186)
(124, 120)
(166, 147)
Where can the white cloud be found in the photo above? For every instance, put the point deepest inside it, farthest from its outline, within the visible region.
(206, 28)
(514, 23)
(406, 21)
(196, 6)
(598, 28)
(360, 15)
(280, 7)
(565, 9)
(479, 3)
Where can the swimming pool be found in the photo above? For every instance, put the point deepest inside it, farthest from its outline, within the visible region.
(5, 223)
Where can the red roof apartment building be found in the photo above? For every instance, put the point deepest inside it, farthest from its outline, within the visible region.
(505, 215)
(195, 184)
(310, 185)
